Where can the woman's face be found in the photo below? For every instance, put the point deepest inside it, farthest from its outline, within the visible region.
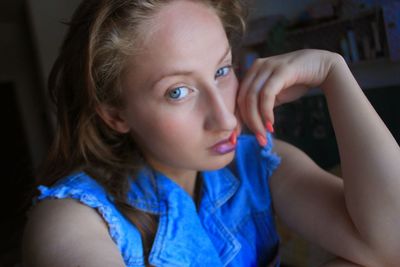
(180, 91)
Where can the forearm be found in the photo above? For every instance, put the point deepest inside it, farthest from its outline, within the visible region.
(370, 160)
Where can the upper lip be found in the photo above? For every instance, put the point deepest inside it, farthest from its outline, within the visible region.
(226, 140)
(221, 142)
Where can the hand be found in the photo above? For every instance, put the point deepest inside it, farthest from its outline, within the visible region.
(280, 79)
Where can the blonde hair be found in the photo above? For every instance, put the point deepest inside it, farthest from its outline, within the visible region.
(88, 73)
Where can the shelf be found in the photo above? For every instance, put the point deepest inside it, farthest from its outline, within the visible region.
(363, 39)
(361, 15)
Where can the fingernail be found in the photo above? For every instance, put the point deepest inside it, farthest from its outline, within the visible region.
(233, 138)
(269, 127)
(261, 140)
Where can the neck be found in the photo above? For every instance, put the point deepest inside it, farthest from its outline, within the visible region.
(185, 178)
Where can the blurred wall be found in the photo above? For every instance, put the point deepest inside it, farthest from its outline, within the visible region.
(17, 66)
(46, 17)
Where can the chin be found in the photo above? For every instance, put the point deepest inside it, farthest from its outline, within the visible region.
(219, 162)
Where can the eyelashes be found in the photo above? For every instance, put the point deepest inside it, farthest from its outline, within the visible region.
(179, 93)
(224, 71)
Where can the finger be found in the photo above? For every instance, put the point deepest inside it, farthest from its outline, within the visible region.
(245, 113)
(249, 91)
(270, 90)
(243, 91)
(246, 81)
(253, 116)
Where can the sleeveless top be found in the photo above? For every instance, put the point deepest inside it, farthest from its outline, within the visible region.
(233, 226)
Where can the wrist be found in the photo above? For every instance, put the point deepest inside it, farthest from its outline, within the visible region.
(337, 71)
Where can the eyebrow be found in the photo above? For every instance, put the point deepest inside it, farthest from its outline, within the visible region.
(187, 73)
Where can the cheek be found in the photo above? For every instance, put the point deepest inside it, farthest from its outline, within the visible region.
(172, 127)
(164, 127)
(170, 137)
(230, 93)
(178, 127)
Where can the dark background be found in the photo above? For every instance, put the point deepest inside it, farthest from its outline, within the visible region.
(30, 34)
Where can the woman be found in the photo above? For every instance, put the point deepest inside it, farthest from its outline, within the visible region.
(147, 169)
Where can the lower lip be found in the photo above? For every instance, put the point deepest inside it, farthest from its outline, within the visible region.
(224, 148)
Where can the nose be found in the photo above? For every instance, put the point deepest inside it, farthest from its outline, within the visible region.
(220, 111)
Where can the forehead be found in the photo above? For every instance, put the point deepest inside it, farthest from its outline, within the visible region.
(182, 18)
(183, 33)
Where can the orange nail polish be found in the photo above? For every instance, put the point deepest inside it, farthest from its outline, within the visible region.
(269, 127)
(233, 138)
(261, 140)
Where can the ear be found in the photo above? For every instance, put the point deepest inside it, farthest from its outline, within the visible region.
(113, 118)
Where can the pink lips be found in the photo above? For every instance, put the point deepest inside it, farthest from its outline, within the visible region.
(225, 146)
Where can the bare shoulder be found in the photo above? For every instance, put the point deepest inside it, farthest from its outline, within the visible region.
(64, 232)
(288, 151)
(293, 159)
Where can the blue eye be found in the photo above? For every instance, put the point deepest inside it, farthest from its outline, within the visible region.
(178, 93)
(223, 71)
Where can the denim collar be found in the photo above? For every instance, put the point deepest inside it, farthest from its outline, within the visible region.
(186, 236)
(150, 188)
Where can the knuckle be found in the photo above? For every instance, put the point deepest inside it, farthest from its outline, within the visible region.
(273, 83)
(258, 61)
(282, 69)
(265, 94)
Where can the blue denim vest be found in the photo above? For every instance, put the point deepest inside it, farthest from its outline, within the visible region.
(234, 225)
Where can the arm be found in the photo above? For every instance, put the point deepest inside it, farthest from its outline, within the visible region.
(66, 233)
(359, 218)
(310, 201)
(370, 162)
